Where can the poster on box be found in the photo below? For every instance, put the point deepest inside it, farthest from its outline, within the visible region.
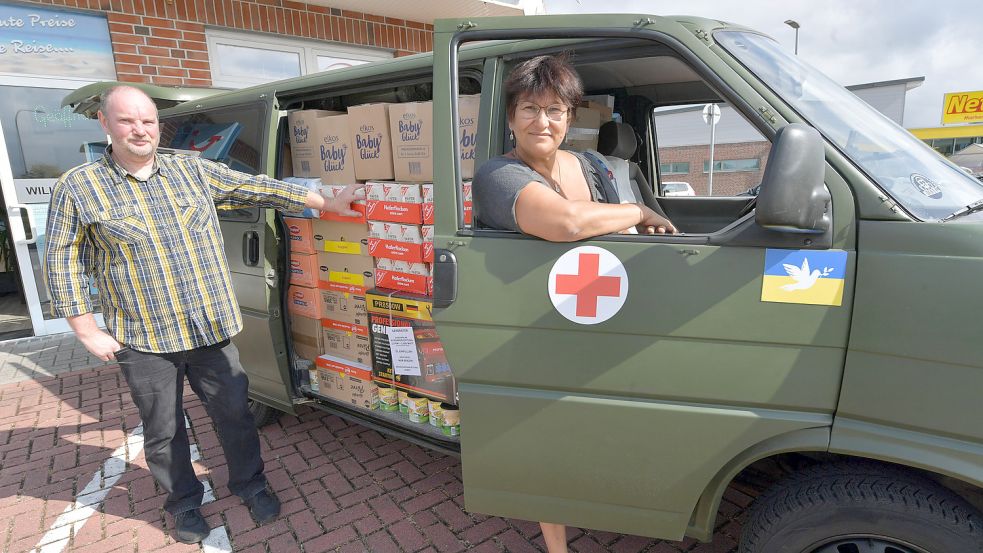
(435, 381)
(402, 349)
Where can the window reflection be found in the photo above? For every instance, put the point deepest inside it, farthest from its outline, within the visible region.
(43, 138)
(256, 63)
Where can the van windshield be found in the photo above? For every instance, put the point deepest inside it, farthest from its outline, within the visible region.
(927, 185)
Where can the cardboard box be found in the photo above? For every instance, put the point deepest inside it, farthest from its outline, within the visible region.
(411, 131)
(344, 302)
(425, 269)
(404, 282)
(303, 301)
(583, 131)
(300, 233)
(606, 112)
(343, 268)
(346, 340)
(305, 334)
(406, 308)
(335, 164)
(347, 382)
(435, 381)
(303, 269)
(467, 126)
(402, 251)
(340, 237)
(395, 202)
(369, 125)
(305, 140)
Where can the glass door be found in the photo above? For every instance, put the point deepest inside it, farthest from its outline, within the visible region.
(40, 140)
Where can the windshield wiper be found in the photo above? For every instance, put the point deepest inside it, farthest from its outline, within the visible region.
(971, 208)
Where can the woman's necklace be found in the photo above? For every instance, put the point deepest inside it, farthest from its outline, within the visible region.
(554, 183)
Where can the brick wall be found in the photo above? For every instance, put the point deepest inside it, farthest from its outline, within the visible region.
(724, 183)
(163, 41)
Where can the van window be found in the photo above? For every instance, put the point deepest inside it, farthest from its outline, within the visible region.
(233, 136)
(739, 153)
(642, 112)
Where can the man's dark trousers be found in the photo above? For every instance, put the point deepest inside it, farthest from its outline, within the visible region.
(156, 383)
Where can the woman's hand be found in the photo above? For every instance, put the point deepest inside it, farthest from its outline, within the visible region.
(653, 223)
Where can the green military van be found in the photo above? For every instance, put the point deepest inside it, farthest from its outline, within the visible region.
(827, 323)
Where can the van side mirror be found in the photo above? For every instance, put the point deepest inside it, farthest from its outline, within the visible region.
(793, 197)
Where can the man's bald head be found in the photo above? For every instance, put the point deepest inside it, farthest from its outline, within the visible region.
(121, 90)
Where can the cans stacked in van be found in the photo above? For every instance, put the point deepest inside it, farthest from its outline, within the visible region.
(360, 286)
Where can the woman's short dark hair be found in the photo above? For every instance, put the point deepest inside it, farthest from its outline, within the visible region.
(544, 75)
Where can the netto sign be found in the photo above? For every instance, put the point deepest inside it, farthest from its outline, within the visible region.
(963, 107)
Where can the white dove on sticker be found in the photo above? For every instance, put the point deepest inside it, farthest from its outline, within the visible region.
(804, 279)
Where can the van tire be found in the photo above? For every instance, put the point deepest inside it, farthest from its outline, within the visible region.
(263, 414)
(865, 506)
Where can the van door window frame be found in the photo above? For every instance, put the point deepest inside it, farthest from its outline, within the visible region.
(734, 233)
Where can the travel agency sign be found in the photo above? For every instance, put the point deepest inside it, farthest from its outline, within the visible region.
(55, 43)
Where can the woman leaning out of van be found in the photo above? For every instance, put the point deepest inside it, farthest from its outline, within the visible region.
(539, 189)
(543, 191)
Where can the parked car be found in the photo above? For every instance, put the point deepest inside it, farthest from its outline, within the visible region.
(677, 188)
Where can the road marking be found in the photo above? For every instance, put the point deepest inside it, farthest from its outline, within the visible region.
(75, 515)
(91, 497)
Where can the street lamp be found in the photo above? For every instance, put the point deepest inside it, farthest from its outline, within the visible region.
(795, 25)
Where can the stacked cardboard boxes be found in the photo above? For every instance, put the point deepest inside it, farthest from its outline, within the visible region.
(338, 262)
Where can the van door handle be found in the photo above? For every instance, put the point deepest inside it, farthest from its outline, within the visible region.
(250, 248)
(444, 278)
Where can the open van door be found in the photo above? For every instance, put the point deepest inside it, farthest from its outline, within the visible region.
(632, 412)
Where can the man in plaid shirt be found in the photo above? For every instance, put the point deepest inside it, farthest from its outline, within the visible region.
(144, 226)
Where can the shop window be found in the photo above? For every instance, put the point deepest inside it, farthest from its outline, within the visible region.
(246, 59)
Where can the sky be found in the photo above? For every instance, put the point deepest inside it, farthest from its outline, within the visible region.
(852, 41)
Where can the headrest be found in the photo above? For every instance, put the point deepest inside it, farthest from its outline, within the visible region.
(616, 140)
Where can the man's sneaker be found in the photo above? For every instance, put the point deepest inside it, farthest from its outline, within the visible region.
(190, 527)
(263, 507)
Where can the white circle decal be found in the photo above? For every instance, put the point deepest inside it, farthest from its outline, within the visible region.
(588, 285)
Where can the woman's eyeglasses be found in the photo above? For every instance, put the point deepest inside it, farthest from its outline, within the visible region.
(556, 112)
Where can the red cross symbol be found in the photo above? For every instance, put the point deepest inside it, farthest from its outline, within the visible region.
(588, 285)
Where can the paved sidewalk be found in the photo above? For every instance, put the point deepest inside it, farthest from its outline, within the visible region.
(64, 484)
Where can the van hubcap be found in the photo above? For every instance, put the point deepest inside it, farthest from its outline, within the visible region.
(864, 544)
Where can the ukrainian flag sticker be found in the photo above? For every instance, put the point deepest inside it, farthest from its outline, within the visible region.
(804, 276)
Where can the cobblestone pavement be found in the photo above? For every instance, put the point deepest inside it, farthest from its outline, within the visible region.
(68, 429)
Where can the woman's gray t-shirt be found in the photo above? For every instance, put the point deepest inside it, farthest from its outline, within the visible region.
(497, 183)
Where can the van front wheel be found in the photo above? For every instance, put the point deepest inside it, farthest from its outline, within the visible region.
(861, 508)
(263, 414)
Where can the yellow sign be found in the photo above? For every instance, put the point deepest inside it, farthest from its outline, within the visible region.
(963, 107)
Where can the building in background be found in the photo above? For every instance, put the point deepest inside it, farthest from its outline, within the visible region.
(51, 47)
(740, 151)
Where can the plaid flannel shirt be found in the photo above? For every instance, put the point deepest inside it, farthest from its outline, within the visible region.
(153, 247)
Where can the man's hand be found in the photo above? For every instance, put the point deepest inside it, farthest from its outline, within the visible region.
(96, 340)
(101, 345)
(342, 203)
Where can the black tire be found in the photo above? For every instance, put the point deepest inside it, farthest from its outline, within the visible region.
(263, 414)
(861, 507)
